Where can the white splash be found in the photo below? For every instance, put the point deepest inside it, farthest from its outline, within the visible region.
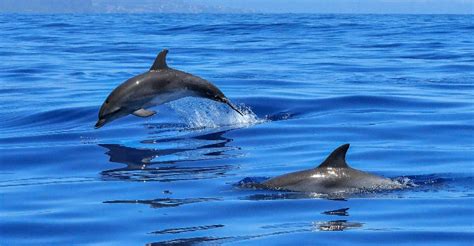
(198, 113)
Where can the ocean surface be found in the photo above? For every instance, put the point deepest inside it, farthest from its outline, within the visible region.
(398, 88)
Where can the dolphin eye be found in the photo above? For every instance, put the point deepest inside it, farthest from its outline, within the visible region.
(106, 101)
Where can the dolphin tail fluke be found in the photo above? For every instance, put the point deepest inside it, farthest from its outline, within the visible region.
(337, 158)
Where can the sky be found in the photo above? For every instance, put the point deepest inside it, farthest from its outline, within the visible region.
(259, 6)
(354, 6)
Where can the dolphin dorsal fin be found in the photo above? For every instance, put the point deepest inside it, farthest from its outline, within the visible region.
(337, 158)
(160, 61)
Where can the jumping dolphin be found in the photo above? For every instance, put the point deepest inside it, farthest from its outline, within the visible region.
(332, 176)
(159, 85)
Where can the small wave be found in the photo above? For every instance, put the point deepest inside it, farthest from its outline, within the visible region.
(58, 25)
(61, 119)
(187, 229)
(165, 174)
(421, 180)
(405, 182)
(165, 202)
(381, 46)
(207, 114)
(45, 181)
(434, 56)
(217, 29)
(192, 241)
(336, 225)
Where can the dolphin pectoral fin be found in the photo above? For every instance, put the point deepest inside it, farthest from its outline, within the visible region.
(144, 113)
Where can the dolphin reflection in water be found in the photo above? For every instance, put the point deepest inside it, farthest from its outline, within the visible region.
(160, 163)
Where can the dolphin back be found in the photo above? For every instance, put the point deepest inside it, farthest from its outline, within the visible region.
(333, 175)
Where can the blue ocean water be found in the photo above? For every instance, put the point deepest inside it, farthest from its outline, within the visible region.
(399, 88)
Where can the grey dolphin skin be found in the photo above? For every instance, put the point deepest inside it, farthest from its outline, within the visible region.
(159, 85)
(332, 176)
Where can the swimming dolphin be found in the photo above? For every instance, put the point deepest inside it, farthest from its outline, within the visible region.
(159, 85)
(332, 176)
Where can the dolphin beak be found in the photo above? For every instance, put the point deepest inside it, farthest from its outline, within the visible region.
(233, 107)
(99, 123)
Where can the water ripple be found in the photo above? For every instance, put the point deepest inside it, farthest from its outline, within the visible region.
(397, 87)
